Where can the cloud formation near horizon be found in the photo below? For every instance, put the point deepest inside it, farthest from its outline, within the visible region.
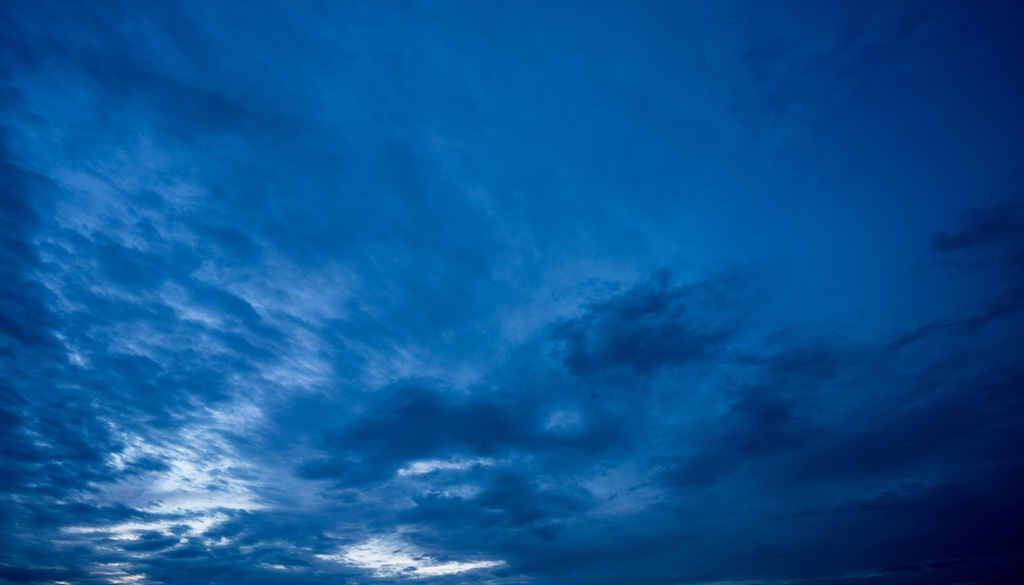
(524, 293)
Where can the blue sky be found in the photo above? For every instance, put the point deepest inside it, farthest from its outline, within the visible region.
(512, 292)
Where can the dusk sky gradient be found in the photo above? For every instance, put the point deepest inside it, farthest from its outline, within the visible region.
(512, 292)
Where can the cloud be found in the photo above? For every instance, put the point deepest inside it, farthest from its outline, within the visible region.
(389, 557)
(652, 325)
(987, 239)
(379, 293)
(981, 228)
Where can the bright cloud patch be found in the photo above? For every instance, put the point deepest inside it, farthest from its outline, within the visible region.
(390, 557)
(431, 465)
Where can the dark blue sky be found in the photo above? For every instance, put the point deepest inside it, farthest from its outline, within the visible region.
(512, 292)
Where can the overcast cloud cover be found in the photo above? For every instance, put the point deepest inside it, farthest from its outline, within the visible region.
(512, 292)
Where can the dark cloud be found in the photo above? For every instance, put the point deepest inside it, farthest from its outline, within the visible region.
(29, 575)
(24, 319)
(508, 502)
(986, 239)
(983, 228)
(414, 423)
(650, 326)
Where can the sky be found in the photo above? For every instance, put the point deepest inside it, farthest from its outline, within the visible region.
(512, 292)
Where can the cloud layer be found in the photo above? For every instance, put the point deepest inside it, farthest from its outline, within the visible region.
(451, 293)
